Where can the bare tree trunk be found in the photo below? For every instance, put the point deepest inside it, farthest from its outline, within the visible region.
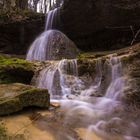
(50, 4)
(45, 6)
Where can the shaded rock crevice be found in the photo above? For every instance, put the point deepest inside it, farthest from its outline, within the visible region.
(17, 35)
(100, 24)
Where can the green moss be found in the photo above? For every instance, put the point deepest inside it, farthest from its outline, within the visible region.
(92, 55)
(19, 96)
(15, 70)
(14, 62)
(5, 136)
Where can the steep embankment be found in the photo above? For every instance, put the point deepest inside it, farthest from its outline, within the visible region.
(101, 24)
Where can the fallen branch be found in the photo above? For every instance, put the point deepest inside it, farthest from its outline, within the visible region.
(135, 37)
(33, 120)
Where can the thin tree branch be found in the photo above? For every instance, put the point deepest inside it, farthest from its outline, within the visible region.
(135, 37)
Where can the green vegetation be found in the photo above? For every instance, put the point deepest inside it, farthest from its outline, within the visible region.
(5, 136)
(14, 62)
(15, 70)
(19, 96)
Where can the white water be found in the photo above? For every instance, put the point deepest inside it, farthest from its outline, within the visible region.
(65, 74)
(117, 80)
(42, 48)
(101, 115)
(78, 96)
(60, 74)
(51, 45)
(39, 49)
(53, 18)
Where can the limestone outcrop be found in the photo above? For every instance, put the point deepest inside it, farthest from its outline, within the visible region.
(100, 24)
(14, 97)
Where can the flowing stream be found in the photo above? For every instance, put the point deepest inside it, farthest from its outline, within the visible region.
(83, 102)
(101, 115)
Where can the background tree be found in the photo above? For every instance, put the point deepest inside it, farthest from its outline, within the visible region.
(22, 4)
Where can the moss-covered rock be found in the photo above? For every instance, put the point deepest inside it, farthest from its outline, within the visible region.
(14, 97)
(15, 70)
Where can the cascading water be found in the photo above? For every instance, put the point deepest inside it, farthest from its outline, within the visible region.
(65, 74)
(83, 104)
(38, 50)
(52, 45)
(53, 19)
(94, 88)
(100, 115)
(117, 80)
(61, 74)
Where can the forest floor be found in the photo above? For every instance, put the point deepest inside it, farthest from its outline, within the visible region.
(18, 16)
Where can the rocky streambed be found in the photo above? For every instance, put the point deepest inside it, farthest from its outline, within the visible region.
(49, 120)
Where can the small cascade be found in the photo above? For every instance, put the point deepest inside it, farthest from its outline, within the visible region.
(117, 80)
(81, 107)
(53, 19)
(39, 49)
(69, 66)
(65, 74)
(59, 74)
(94, 88)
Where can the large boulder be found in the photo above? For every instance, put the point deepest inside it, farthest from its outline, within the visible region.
(55, 46)
(14, 97)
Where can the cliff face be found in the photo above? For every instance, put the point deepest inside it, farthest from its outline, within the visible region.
(100, 24)
(18, 32)
(91, 24)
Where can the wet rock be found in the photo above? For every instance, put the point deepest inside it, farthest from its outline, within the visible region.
(14, 97)
(130, 59)
(56, 46)
(132, 96)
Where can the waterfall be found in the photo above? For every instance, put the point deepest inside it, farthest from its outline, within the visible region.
(53, 19)
(65, 74)
(80, 106)
(94, 88)
(59, 74)
(40, 48)
(117, 80)
(52, 45)
(83, 103)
